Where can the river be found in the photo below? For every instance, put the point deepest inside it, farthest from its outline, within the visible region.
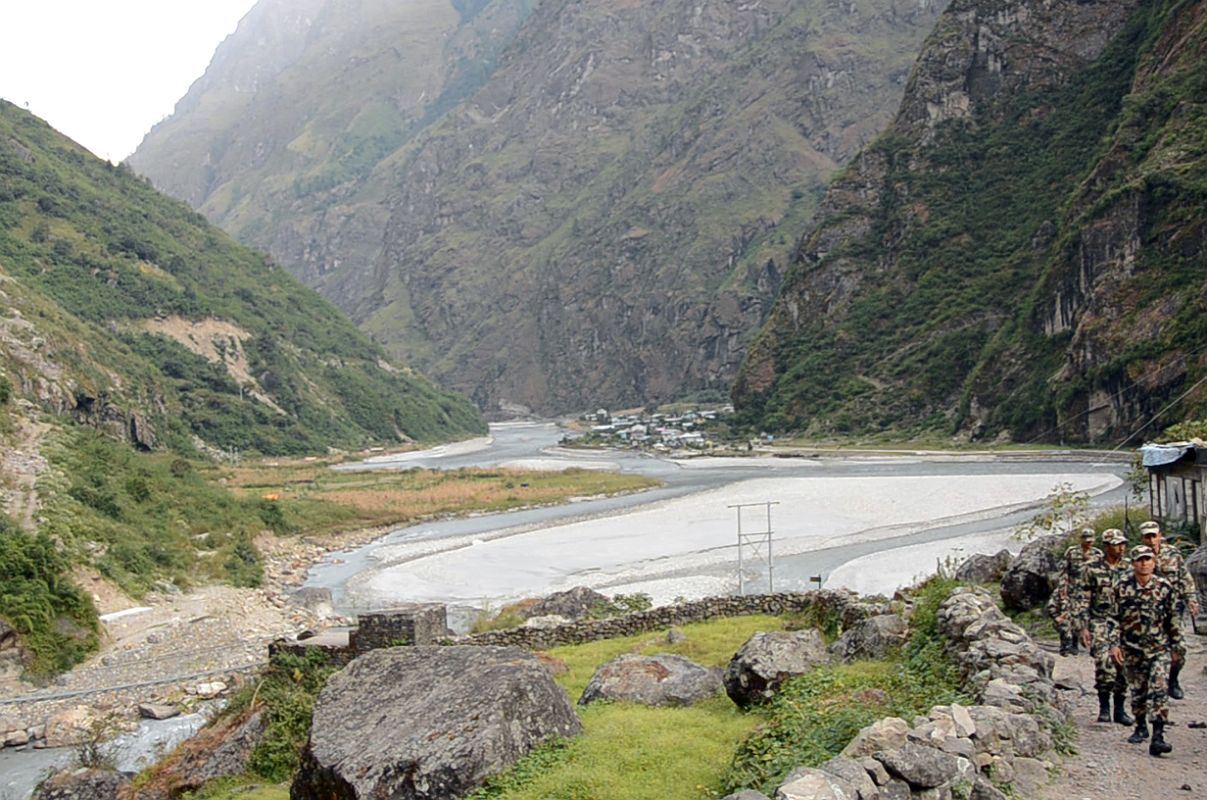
(679, 540)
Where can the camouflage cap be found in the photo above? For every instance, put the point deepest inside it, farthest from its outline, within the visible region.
(1087, 534)
(1152, 526)
(1141, 551)
(1113, 536)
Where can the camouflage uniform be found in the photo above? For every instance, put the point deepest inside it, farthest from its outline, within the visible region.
(1071, 601)
(1075, 566)
(1143, 625)
(1100, 582)
(1172, 567)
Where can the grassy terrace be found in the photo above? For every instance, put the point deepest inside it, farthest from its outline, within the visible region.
(644, 753)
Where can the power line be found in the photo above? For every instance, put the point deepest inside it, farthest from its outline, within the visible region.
(1156, 416)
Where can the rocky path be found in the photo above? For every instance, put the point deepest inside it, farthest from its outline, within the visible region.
(1107, 766)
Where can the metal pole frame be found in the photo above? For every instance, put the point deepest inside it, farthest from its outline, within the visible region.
(754, 541)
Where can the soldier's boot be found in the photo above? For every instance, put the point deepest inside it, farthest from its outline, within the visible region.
(1175, 690)
(1104, 706)
(1140, 733)
(1158, 746)
(1074, 645)
(1066, 644)
(1121, 715)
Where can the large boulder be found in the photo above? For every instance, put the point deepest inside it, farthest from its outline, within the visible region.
(662, 680)
(428, 722)
(573, 603)
(1031, 577)
(220, 750)
(981, 568)
(82, 784)
(761, 666)
(871, 640)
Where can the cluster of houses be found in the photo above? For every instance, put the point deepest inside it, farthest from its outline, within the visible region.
(656, 431)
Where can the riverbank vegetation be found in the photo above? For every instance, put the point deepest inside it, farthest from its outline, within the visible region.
(310, 497)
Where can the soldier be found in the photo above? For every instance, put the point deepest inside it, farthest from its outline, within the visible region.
(1144, 637)
(1101, 577)
(1072, 579)
(1172, 568)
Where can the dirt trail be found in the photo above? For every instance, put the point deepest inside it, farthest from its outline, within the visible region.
(1107, 766)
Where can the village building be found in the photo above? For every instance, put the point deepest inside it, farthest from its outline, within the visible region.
(1177, 482)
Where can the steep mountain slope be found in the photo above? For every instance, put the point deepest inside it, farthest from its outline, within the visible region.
(132, 313)
(1023, 251)
(277, 141)
(601, 222)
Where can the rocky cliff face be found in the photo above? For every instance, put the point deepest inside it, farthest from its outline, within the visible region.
(595, 216)
(1017, 253)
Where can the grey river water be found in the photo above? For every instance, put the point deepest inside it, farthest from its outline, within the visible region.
(538, 443)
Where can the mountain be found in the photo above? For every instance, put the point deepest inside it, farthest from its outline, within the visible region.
(1022, 253)
(555, 204)
(130, 312)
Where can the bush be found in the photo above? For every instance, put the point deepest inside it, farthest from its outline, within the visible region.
(6, 389)
(37, 598)
(288, 688)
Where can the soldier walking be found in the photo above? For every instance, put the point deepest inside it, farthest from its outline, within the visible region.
(1171, 566)
(1144, 637)
(1101, 577)
(1066, 608)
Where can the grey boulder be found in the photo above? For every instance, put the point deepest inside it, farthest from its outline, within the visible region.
(428, 722)
(767, 660)
(573, 603)
(981, 568)
(870, 640)
(662, 680)
(82, 784)
(1032, 576)
(920, 766)
(746, 794)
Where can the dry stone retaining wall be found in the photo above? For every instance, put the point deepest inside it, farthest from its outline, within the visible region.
(1004, 739)
(847, 608)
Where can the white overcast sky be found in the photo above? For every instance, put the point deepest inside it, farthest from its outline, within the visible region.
(104, 71)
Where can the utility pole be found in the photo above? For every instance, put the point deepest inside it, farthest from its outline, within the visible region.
(755, 545)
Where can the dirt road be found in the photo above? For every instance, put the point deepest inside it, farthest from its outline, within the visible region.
(1106, 766)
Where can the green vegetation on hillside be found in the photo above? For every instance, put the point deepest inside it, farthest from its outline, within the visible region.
(141, 518)
(94, 251)
(56, 621)
(983, 230)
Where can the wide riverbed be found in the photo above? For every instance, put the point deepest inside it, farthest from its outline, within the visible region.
(888, 517)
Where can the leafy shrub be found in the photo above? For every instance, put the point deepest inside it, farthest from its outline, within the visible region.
(288, 688)
(6, 389)
(36, 593)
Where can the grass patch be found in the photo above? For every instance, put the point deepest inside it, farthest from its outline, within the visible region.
(711, 644)
(242, 789)
(311, 498)
(623, 749)
(623, 753)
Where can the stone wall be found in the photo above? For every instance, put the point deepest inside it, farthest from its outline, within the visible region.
(843, 606)
(1002, 741)
(414, 624)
